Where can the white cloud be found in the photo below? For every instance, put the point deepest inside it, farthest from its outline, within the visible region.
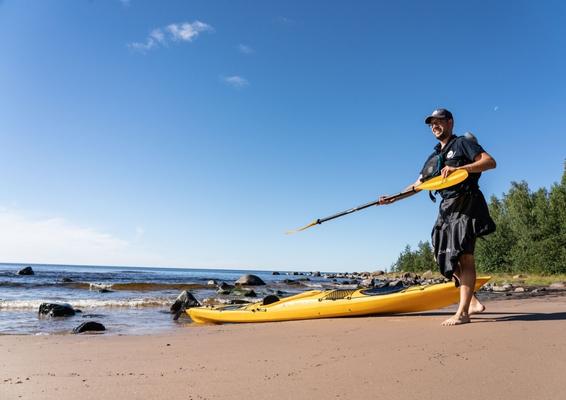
(185, 32)
(245, 49)
(155, 37)
(58, 241)
(236, 81)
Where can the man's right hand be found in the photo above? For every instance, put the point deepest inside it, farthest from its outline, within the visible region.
(384, 200)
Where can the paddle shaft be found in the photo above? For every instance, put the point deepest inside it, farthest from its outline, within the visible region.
(373, 203)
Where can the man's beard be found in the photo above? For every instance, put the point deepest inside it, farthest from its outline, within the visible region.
(444, 135)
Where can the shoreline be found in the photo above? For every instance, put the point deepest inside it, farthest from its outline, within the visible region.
(514, 349)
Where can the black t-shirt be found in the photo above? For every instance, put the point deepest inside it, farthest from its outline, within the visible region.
(459, 151)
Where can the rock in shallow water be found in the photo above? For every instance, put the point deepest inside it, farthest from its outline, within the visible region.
(26, 271)
(225, 286)
(57, 310)
(250, 280)
(183, 301)
(90, 326)
(243, 292)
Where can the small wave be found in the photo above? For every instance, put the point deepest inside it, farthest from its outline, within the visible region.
(88, 303)
(26, 284)
(146, 286)
(312, 285)
(99, 286)
(132, 286)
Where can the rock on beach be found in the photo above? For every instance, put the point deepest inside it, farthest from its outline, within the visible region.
(250, 280)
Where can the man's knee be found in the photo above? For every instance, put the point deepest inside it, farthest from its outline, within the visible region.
(467, 261)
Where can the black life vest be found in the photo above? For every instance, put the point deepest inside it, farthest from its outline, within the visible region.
(434, 165)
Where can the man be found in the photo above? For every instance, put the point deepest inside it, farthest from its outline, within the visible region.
(463, 213)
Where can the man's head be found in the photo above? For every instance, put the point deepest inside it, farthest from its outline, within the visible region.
(441, 123)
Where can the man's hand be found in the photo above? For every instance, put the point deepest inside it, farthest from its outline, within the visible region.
(447, 171)
(383, 200)
(482, 163)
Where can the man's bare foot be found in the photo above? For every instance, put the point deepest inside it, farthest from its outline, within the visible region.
(456, 320)
(475, 306)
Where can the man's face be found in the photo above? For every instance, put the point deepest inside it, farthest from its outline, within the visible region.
(441, 128)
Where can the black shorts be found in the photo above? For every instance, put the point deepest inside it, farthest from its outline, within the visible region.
(460, 221)
(469, 246)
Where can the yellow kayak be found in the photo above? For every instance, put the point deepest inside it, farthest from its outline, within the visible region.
(336, 303)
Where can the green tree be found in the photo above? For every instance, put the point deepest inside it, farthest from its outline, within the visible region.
(419, 260)
(493, 252)
(557, 211)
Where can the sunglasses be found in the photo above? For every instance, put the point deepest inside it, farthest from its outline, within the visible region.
(437, 122)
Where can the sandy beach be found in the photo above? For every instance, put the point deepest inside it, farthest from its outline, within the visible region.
(515, 350)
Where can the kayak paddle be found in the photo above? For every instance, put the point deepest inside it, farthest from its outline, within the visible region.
(435, 183)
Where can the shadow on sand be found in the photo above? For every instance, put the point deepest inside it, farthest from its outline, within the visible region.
(503, 316)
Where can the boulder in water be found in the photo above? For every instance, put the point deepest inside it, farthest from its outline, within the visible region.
(26, 271)
(243, 292)
(225, 288)
(56, 310)
(89, 326)
(291, 282)
(269, 299)
(184, 301)
(250, 280)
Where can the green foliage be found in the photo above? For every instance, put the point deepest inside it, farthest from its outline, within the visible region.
(530, 235)
(420, 260)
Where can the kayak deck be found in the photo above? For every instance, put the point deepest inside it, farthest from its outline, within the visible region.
(336, 303)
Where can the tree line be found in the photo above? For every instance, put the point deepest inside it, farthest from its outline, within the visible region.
(530, 235)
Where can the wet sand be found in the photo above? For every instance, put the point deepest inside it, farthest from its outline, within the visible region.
(517, 349)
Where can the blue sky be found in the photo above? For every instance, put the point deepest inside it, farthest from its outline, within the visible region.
(195, 133)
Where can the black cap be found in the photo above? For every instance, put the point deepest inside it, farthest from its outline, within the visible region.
(440, 113)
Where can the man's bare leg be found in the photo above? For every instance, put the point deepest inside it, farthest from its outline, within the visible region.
(467, 285)
(476, 306)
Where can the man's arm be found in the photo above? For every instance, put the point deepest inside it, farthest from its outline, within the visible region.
(482, 162)
(409, 189)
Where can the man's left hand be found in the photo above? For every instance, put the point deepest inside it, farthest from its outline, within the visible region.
(447, 171)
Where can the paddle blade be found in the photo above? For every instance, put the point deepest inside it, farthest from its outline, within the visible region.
(313, 223)
(439, 182)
